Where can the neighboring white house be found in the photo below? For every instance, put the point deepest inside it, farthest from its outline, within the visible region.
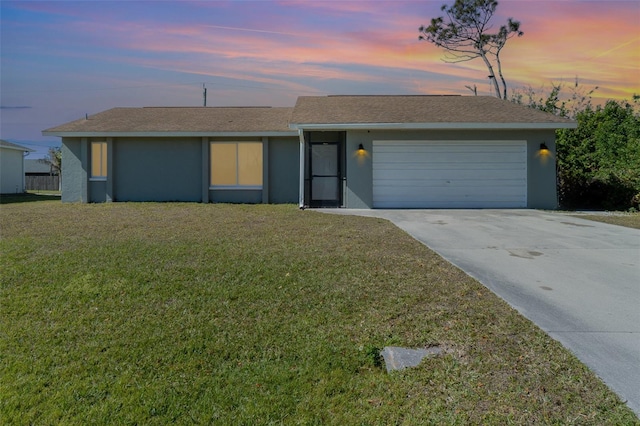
(12, 167)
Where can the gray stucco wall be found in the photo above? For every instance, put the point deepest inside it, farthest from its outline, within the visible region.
(169, 169)
(157, 169)
(172, 169)
(98, 191)
(284, 170)
(236, 196)
(74, 172)
(541, 171)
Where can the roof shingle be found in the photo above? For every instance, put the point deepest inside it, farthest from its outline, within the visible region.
(415, 109)
(322, 111)
(182, 119)
(11, 145)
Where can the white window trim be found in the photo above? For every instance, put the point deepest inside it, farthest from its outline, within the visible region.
(235, 187)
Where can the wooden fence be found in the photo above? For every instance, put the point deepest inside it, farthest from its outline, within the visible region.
(42, 183)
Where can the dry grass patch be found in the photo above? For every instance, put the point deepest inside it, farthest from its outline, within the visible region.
(189, 313)
(630, 220)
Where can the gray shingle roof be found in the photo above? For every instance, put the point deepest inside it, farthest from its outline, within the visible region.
(181, 120)
(415, 109)
(322, 111)
(10, 145)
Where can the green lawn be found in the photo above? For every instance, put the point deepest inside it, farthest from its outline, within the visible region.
(30, 197)
(148, 313)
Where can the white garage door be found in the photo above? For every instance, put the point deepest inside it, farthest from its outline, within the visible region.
(449, 174)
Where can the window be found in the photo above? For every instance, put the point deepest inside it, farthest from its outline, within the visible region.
(236, 165)
(98, 160)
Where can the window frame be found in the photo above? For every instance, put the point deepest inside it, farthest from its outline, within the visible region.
(103, 161)
(237, 185)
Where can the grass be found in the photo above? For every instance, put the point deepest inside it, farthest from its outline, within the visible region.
(189, 313)
(630, 220)
(30, 197)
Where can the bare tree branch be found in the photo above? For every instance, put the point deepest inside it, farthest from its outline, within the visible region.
(465, 35)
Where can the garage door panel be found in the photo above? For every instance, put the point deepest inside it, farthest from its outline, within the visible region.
(455, 204)
(438, 192)
(453, 157)
(449, 174)
(446, 174)
(444, 148)
(439, 166)
(447, 152)
(511, 187)
(419, 143)
(434, 193)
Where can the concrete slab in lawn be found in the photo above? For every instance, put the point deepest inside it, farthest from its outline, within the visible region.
(577, 279)
(396, 358)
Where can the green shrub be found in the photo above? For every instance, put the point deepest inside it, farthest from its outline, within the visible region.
(599, 161)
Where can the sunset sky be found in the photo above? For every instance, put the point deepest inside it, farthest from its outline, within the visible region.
(61, 60)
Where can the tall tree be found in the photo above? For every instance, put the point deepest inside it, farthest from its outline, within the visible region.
(466, 34)
(54, 160)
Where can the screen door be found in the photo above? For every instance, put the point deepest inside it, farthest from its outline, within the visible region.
(325, 174)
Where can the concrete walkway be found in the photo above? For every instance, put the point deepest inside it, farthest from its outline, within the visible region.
(577, 279)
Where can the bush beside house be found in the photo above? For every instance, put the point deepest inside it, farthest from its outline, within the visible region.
(599, 161)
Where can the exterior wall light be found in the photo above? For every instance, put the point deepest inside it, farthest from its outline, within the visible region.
(361, 154)
(544, 154)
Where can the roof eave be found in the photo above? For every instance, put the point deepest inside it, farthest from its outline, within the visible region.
(85, 134)
(21, 149)
(434, 126)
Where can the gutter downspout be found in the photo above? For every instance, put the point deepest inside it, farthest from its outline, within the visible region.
(25, 154)
(302, 171)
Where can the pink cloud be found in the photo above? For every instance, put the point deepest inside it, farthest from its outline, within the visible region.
(594, 41)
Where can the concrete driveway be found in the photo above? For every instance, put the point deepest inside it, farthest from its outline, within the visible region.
(577, 279)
